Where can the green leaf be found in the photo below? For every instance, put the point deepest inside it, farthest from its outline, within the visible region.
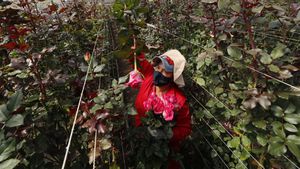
(108, 105)
(157, 133)
(213, 154)
(8, 150)
(118, 9)
(211, 103)
(114, 166)
(114, 83)
(3, 113)
(95, 108)
(130, 4)
(255, 52)
(234, 143)
(14, 73)
(142, 10)
(235, 112)
(99, 68)
(209, 1)
(262, 124)
(200, 81)
(223, 3)
(278, 51)
(276, 139)
(266, 59)
(277, 149)
(290, 127)
(123, 79)
(234, 52)
(2, 137)
(278, 129)
(132, 111)
(236, 153)
(222, 37)
(14, 101)
(101, 98)
(278, 111)
(257, 9)
(277, 7)
(15, 120)
(117, 91)
(290, 109)
(262, 140)
(274, 68)
(244, 156)
(219, 90)
(236, 7)
(246, 141)
(105, 144)
(292, 118)
(294, 139)
(233, 86)
(9, 164)
(240, 165)
(294, 149)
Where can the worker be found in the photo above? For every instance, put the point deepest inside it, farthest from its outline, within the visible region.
(162, 79)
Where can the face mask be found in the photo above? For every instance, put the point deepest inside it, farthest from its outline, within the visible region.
(160, 80)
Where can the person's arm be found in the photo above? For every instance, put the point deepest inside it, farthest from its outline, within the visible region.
(182, 127)
(143, 65)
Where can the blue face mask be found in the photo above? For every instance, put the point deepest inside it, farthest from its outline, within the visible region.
(160, 80)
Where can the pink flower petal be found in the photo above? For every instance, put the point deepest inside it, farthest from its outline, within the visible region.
(168, 115)
(152, 94)
(147, 105)
(135, 79)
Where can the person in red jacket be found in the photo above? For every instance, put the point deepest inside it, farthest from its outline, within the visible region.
(163, 78)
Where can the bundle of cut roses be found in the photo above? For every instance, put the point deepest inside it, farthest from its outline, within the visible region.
(151, 140)
(160, 115)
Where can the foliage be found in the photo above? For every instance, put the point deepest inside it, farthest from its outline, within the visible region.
(151, 142)
(42, 67)
(11, 118)
(254, 108)
(260, 35)
(42, 48)
(129, 14)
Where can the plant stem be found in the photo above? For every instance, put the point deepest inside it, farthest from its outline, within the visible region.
(30, 15)
(218, 47)
(251, 38)
(38, 76)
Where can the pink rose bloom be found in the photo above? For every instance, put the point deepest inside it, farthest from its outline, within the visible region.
(147, 105)
(172, 99)
(152, 95)
(151, 100)
(158, 106)
(135, 79)
(169, 106)
(168, 115)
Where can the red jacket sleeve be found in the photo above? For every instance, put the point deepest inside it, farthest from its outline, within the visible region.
(143, 65)
(182, 127)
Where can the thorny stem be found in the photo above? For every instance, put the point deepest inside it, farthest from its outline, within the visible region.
(38, 76)
(248, 25)
(30, 15)
(284, 29)
(251, 38)
(218, 46)
(57, 14)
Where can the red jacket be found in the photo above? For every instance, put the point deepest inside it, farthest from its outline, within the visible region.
(182, 127)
